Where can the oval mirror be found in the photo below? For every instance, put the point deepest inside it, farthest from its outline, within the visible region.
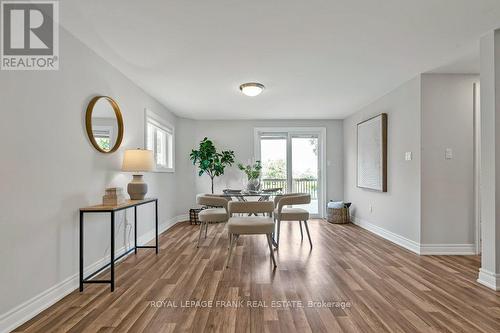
(104, 124)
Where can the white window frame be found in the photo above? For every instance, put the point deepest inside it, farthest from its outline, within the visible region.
(156, 120)
(108, 130)
(289, 132)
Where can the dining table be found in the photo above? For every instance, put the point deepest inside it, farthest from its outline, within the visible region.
(262, 195)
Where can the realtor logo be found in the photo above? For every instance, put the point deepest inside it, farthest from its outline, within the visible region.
(30, 35)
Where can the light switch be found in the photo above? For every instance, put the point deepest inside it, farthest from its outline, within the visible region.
(448, 153)
(408, 156)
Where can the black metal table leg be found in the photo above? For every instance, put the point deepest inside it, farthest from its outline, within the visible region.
(156, 224)
(81, 251)
(112, 251)
(135, 229)
(113, 258)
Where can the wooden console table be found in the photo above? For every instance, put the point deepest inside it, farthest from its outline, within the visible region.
(112, 210)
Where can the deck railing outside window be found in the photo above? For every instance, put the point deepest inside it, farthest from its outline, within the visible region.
(301, 185)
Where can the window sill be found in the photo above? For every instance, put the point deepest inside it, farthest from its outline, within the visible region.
(169, 170)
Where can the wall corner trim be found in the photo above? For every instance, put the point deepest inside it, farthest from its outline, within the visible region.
(29, 309)
(489, 279)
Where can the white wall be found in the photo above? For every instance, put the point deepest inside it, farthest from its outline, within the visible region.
(447, 185)
(489, 273)
(185, 171)
(238, 135)
(429, 205)
(49, 169)
(397, 210)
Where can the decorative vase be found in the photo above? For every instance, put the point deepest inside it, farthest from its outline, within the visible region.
(253, 184)
(137, 188)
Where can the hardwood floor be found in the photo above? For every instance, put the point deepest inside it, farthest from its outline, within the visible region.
(388, 288)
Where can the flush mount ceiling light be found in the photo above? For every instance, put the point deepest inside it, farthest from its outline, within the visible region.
(252, 88)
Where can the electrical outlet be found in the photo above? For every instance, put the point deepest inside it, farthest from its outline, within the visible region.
(408, 156)
(370, 208)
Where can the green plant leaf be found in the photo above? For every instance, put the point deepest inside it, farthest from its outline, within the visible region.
(252, 171)
(209, 160)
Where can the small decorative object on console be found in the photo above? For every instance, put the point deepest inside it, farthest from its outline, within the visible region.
(114, 196)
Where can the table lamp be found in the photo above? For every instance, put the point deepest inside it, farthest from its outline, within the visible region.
(137, 160)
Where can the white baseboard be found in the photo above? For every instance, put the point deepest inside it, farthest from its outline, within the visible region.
(27, 310)
(448, 249)
(489, 279)
(418, 248)
(390, 236)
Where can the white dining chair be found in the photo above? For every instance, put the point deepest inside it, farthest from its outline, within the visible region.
(250, 225)
(216, 213)
(283, 213)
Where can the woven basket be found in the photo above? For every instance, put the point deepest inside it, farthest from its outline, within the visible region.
(338, 215)
(193, 215)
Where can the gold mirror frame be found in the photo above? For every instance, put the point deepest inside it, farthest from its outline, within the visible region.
(88, 123)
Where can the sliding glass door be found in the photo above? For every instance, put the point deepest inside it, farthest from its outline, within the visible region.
(292, 161)
(273, 155)
(305, 167)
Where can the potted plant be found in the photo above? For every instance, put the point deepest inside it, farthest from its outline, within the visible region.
(253, 175)
(210, 161)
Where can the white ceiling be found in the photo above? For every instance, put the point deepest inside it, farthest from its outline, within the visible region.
(317, 59)
(466, 62)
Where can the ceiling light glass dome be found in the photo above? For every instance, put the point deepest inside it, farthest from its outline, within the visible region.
(252, 89)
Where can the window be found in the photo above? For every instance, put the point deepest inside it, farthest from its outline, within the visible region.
(293, 160)
(103, 136)
(160, 139)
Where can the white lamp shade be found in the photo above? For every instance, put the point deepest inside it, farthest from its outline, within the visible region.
(138, 160)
